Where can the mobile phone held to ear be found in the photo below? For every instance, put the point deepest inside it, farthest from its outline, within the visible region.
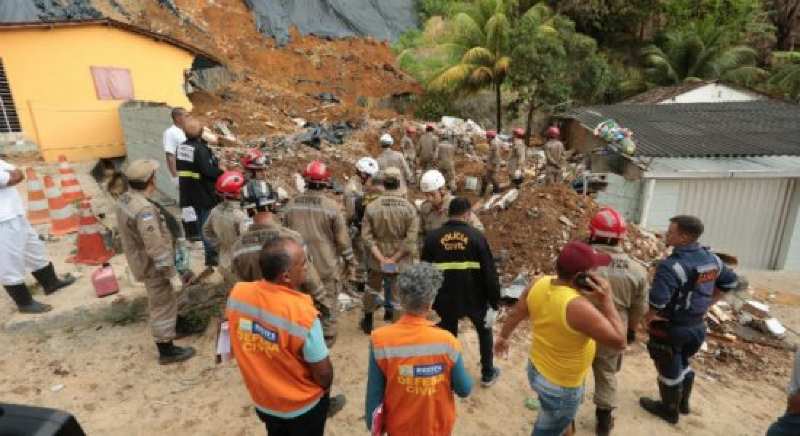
(583, 282)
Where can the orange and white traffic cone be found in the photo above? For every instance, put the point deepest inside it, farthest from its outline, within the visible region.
(69, 183)
(91, 247)
(37, 202)
(63, 218)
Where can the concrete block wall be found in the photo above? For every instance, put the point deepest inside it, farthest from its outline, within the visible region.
(143, 125)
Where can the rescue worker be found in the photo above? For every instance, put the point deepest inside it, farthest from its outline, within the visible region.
(277, 340)
(259, 200)
(471, 287)
(389, 231)
(198, 170)
(685, 285)
(21, 249)
(427, 149)
(394, 159)
(433, 213)
(321, 222)
(554, 154)
(415, 386)
(492, 163)
(410, 150)
(225, 222)
(358, 193)
(516, 163)
(445, 158)
(149, 249)
(628, 280)
(255, 163)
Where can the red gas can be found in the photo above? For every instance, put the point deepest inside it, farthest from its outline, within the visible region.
(104, 281)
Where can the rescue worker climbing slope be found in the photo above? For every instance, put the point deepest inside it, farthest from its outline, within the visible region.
(493, 162)
(685, 285)
(394, 159)
(389, 231)
(321, 222)
(427, 148)
(516, 163)
(554, 154)
(445, 158)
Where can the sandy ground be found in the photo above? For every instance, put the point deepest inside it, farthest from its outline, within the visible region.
(108, 377)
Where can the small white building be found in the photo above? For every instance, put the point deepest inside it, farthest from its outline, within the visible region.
(695, 92)
(736, 165)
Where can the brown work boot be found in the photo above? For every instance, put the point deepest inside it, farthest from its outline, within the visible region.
(169, 353)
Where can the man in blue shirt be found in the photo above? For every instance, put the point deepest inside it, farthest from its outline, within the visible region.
(685, 286)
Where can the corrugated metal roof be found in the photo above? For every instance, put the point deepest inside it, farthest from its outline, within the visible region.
(661, 93)
(722, 167)
(753, 128)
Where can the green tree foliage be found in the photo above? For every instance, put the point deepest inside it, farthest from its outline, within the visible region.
(700, 51)
(555, 67)
(785, 79)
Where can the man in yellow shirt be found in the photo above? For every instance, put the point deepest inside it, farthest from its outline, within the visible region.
(565, 326)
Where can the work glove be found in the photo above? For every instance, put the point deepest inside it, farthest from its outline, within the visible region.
(490, 318)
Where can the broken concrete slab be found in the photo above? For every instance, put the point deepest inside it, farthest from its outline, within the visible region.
(756, 308)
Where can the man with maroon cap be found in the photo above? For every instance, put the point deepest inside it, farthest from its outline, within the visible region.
(569, 312)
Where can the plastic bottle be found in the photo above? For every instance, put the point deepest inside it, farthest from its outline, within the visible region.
(104, 281)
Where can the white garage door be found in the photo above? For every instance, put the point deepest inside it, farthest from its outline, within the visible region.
(743, 217)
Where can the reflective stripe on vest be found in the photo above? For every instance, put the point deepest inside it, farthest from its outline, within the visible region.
(445, 266)
(262, 315)
(190, 174)
(416, 351)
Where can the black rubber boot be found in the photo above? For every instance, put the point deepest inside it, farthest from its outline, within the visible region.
(388, 314)
(337, 403)
(605, 422)
(25, 302)
(49, 280)
(366, 323)
(667, 408)
(169, 353)
(688, 382)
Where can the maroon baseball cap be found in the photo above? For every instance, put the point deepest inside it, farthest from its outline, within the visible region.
(577, 257)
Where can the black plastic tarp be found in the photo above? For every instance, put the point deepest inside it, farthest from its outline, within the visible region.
(381, 19)
(12, 11)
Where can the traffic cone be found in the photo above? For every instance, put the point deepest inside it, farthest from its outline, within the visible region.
(91, 247)
(37, 202)
(63, 218)
(69, 183)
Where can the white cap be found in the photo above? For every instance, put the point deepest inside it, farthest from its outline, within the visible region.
(367, 165)
(431, 181)
(386, 139)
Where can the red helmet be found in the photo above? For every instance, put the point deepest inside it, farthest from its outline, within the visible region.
(254, 160)
(429, 127)
(229, 184)
(491, 134)
(553, 132)
(608, 223)
(411, 129)
(317, 172)
(519, 132)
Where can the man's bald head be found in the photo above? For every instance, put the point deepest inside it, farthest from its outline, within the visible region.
(192, 127)
(283, 261)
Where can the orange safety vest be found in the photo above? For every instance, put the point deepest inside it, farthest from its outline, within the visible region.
(417, 359)
(269, 324)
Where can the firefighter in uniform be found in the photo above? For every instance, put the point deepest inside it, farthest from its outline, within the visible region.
(471, 287)
(150, 250)
(445, 158)
(433, 212)
(255, 163)
(394, 159)
(628, 280)
(492, 163)
(415, 367)
(685, 285)
(361, 189)
(554, 154)
(225, 221)
(320, 221)
(410, 150)
(426, 149)
(516, 162)
(389, 230)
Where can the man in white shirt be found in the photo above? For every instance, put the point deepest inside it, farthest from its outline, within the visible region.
(173, 137)
(21, 249)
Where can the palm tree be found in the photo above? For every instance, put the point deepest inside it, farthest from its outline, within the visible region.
(478, 40)
(700, 52)
(786, 74)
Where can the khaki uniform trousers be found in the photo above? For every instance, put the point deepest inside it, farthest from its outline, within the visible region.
(607, 363)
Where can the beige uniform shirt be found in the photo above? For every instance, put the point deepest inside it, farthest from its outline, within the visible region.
(321, 223)
(554, 152)
(431, 218)
(517, 159)
(149, 247)
(408, 147)
(426, 147)
(223, 228)
(391, 158)
(495, 153)
(628, 280)
(445, 155)
(391, 223)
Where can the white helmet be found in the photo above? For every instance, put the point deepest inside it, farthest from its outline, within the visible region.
(367, 165)
(386, 139)
(431, 181)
